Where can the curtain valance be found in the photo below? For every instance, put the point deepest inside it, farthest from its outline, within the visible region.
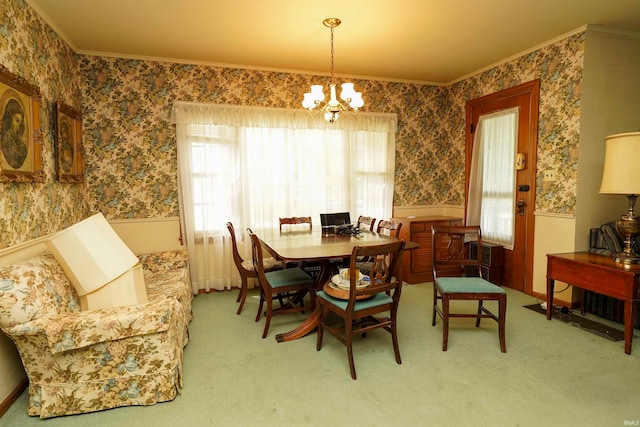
(264, 117)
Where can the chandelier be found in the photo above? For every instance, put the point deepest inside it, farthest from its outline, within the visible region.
(333, 107)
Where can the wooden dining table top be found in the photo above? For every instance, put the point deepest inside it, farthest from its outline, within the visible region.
(316, 245)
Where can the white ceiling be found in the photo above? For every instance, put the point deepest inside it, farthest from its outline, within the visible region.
(430, 41)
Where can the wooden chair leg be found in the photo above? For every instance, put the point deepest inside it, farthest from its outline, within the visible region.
(435, 302)
(268, 321)
(260, 305)
(445, 321)
(394, 338)
(242, 295)
(319, 328)
(349, 342)
(479, 313)
(502, 315)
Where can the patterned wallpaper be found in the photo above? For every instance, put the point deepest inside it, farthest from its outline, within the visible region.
(30, 49)
(130, 144)
(559, 67)
(127, 105)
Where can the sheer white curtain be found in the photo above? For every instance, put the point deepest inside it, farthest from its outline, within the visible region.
(492, 177)
(251, 166)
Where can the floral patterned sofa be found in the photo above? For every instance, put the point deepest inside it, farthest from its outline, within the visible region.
(83, 361)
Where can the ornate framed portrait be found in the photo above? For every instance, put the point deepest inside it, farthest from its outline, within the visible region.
(20, 129)
(69, 150)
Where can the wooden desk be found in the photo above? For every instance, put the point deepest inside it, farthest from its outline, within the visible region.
(600, 274)
(316, 246)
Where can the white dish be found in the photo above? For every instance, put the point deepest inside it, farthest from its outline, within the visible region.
(345, 285)
(344, 273)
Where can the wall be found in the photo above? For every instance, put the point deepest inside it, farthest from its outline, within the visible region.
(149, 235)
(30, 49)
(127, 106)
(33, 51)
(610, 105)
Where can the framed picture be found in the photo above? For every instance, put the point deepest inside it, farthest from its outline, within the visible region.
(20, 129)
(69, 150)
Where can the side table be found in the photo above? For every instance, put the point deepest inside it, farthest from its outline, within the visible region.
(597, 273)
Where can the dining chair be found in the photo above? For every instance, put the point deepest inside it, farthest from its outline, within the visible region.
(457, 277)
(290, 284)
(296, 220)
(363, 307)
(366, 222)
(390, 227)
(245, 268)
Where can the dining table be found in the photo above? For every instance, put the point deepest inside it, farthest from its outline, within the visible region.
(317, 246)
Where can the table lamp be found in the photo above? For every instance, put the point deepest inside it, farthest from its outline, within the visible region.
(621, 176)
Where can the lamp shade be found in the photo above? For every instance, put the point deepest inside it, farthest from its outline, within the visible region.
(621, 164)
(91, 254)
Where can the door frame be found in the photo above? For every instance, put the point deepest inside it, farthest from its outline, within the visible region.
(531, 88)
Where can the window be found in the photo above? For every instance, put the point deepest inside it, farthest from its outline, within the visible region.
(252, 166)
(492, 178)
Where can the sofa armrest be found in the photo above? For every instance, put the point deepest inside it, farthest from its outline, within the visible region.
(77, 330)
(159, 262)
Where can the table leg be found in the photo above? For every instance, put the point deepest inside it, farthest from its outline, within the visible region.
(306, 327)
(629, 318)
(311, 323)
(550, 285)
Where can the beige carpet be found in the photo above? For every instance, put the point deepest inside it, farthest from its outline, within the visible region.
(553, 374)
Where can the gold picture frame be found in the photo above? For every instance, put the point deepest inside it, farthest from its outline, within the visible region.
(20, 130)
(69, 149)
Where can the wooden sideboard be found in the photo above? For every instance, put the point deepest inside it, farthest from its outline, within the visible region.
(416, 264)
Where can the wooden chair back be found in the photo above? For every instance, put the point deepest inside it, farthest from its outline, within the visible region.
(450, 251)
(237, 258)
(366, 223)
(390, 227)
(296, 220)
(385, 272)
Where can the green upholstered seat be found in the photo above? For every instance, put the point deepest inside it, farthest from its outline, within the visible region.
(290, 276)
(467, 285)
(376, 300)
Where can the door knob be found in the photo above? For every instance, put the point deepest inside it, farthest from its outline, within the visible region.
(520, 204)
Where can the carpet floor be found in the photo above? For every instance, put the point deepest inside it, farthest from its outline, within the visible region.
(553, 374)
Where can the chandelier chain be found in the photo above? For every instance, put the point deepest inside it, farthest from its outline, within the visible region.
(332, 53)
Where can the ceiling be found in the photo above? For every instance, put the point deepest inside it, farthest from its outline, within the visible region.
(424, 41)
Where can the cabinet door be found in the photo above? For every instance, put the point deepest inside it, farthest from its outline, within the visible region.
(421, 257)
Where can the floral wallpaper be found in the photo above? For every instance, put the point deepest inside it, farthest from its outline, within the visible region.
(32, 50)
(559, 67)
(130, 143)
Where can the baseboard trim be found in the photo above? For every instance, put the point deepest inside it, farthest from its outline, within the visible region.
(12, 397)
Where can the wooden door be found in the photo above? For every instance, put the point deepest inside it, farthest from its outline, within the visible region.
(518, 263)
